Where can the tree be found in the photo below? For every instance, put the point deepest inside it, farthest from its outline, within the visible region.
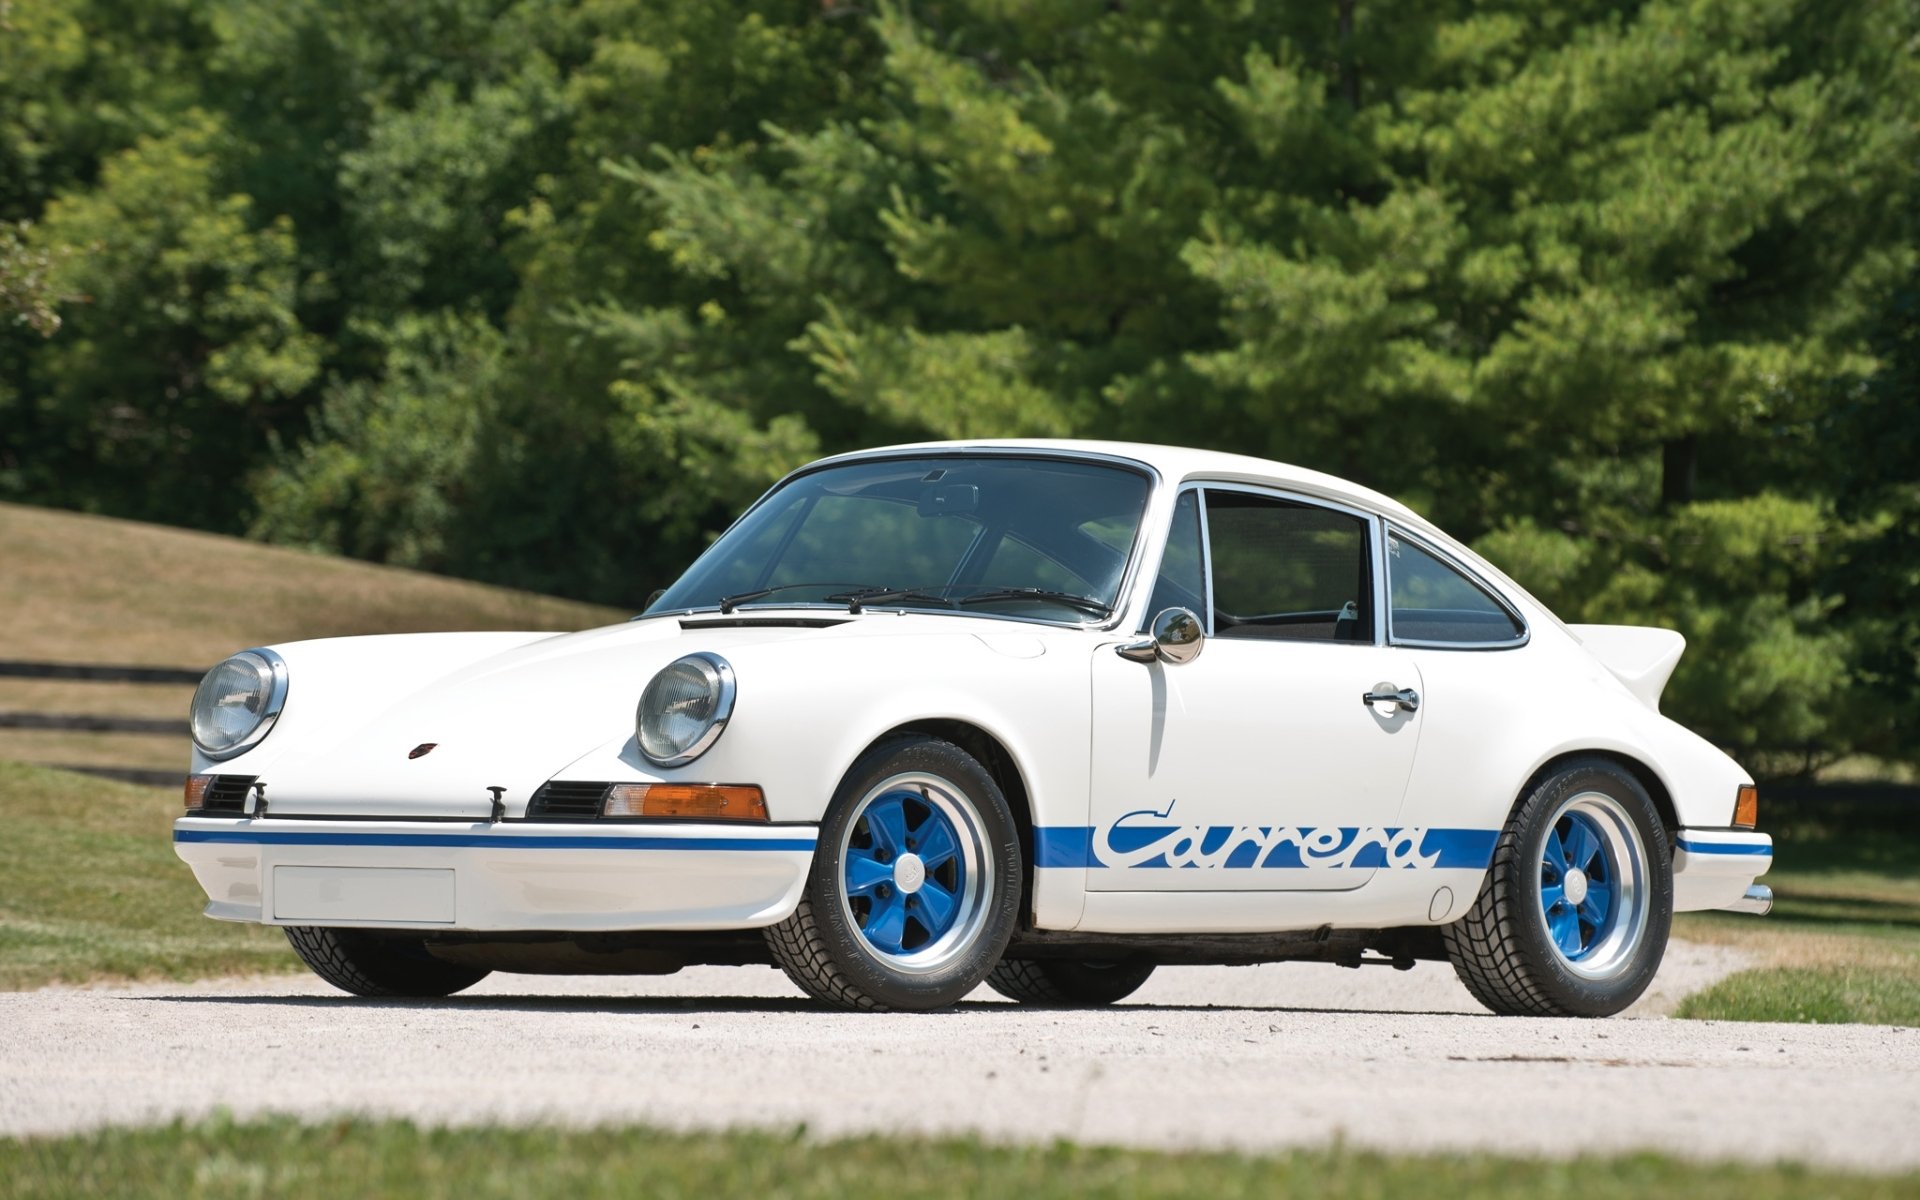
(541, 291)
(1576, 281)
(166, 382)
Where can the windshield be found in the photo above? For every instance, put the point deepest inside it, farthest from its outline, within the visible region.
(1034, 537)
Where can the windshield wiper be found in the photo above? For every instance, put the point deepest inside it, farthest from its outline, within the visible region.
(729, 603)
(1086, 604)
(881, 595)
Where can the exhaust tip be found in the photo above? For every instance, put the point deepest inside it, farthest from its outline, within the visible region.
(1758, 901)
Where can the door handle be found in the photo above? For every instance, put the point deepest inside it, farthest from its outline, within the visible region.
(1406, 698)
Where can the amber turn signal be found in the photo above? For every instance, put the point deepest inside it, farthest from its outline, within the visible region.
(1746, 807)
(704, 801)
(197, 790)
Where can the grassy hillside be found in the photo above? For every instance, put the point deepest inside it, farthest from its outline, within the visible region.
(93, 889)
(91, 589)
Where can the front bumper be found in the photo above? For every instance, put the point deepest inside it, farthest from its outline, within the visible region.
(575, 877)
(1715, 868)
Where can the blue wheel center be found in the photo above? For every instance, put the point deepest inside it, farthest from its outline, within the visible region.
(904, 873)
(1579, 885)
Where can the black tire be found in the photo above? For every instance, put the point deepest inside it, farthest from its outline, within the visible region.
(1531, 945)
(367, 963)
(1068, 981)
(841, 946)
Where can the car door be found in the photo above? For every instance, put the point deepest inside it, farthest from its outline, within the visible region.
(1258, 766)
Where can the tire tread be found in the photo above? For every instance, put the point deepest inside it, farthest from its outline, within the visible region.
(800, 944)
(1482, 945)
(1063, 982)
(801, 951)
(1486, 946)
(376, 971)
(1023, 980)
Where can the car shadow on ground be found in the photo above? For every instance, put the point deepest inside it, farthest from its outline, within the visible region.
(694, 1005)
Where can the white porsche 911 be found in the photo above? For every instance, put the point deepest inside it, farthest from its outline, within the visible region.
(1043, 715)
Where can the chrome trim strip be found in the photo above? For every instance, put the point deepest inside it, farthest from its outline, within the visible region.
(1206, 558)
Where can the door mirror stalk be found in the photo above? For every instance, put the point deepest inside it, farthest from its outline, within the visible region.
(1176, 637)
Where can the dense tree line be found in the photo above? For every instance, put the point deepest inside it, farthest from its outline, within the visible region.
(540, 291)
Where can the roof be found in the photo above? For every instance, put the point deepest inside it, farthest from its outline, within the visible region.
(1177, 464)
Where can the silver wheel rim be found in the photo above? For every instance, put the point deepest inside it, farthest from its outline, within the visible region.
(949, 807)
(1612, 944)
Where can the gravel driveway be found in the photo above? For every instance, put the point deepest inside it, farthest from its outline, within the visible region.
(1257, 1057)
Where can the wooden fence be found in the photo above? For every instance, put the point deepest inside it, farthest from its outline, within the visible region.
(92, 723)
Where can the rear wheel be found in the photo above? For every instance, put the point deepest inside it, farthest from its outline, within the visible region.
(1067, 981)
(915, 887)
(1573, 916)
(367, 963)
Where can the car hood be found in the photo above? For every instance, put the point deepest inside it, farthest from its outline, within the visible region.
(427, 724)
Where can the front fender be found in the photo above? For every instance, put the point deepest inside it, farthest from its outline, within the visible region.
(806, 710)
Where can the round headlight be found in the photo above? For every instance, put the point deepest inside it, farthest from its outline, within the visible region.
(237, 702)
(684, 709)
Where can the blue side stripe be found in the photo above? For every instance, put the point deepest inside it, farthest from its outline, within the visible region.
(485, 840)
(1063, 845)
(1073, 846)
(1723, 847)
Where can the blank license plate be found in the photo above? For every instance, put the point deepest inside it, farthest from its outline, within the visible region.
(418, 894)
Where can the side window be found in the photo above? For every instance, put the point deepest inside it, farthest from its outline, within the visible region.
(1286, 570)
(1182, 582)
(1433, 602)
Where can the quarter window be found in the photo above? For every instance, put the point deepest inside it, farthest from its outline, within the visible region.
(1433, 602)
(1182, 582)
(1287, 570)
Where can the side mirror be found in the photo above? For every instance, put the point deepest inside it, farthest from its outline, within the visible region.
(1177, 637)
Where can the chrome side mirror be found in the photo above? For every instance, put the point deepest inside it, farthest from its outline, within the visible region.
(1176, 637)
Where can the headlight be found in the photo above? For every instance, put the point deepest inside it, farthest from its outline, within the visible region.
(238, 702)
(684, 709)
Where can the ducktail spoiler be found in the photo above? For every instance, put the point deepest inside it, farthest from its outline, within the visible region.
(1639, 656)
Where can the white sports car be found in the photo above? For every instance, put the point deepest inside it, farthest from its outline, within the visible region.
(1043, 715)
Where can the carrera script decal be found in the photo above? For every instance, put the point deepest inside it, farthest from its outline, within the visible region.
(1146, 838)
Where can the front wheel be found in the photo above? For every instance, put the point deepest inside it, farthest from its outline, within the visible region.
(1573, 916)
(369, 963)
(1069, 981)
(915, 886)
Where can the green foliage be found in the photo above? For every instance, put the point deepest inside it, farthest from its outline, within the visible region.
(188, 345)
(390, 462)
(541, 291)
(27, 293)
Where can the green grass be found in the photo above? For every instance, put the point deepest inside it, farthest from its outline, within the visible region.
(93, 889)
(1842, 944)
(366, 1158)
(1816, 995)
